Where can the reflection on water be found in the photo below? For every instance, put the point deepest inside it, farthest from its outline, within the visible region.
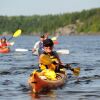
(15, 68)
(44, 96)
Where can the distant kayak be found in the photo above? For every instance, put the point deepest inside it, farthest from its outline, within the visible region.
(4, 50)
(60, 51)
(63, 51)
(55, 42)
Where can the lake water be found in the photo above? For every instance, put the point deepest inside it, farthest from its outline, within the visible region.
(15, 68)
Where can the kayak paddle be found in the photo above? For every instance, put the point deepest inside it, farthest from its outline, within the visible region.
(76, 71)
(16, 34)
(54, 38)
(22, 50)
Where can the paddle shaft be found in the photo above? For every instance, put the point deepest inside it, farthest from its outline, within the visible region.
(75, 71)
(67, 66)
(10, 38)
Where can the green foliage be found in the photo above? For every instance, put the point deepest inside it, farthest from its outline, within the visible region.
(87, 21)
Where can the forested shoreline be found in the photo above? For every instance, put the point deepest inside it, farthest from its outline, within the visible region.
(84, 22)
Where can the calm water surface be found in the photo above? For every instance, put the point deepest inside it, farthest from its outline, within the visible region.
(15, 68)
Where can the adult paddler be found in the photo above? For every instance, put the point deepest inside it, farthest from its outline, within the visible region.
(39, 45)
(4, 43)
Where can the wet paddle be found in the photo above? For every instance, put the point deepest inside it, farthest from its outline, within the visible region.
(54, 39)
(76, 71)
(26, 50)
(16, 34)
(22, 50)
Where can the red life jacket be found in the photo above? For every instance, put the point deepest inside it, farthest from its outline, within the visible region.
(3, 45)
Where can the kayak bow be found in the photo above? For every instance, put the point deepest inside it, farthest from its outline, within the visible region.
(4, 50)
(40, 83)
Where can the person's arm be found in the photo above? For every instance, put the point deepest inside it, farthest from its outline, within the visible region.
(10, 43)
(57, 56)
(36, 46)
(59, 60)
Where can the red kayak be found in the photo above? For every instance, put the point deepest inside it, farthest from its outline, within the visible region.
(39, 84)
(4, 50)
(55, 42)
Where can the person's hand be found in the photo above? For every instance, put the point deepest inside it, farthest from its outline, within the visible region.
(33, 50)
(12, 43)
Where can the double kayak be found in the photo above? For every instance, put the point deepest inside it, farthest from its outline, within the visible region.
(60, 51)
(39, 83)
(4, 50)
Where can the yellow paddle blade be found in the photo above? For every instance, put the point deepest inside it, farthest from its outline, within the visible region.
(17, 33)
(76, 71)
(54, 38)
(45, 59)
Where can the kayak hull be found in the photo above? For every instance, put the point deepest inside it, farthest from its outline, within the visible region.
(60, 51)
(37, 84)
(4, 50)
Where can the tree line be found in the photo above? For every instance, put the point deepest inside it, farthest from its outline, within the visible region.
(86, 21)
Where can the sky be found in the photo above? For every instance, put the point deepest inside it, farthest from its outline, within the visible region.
(44, 7)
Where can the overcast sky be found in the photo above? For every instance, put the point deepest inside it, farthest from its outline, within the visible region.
(44, 7)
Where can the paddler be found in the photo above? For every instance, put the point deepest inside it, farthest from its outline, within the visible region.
(4, 43)
(49, 60)
(39, 45)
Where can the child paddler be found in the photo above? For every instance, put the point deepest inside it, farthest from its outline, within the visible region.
(49, 60)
